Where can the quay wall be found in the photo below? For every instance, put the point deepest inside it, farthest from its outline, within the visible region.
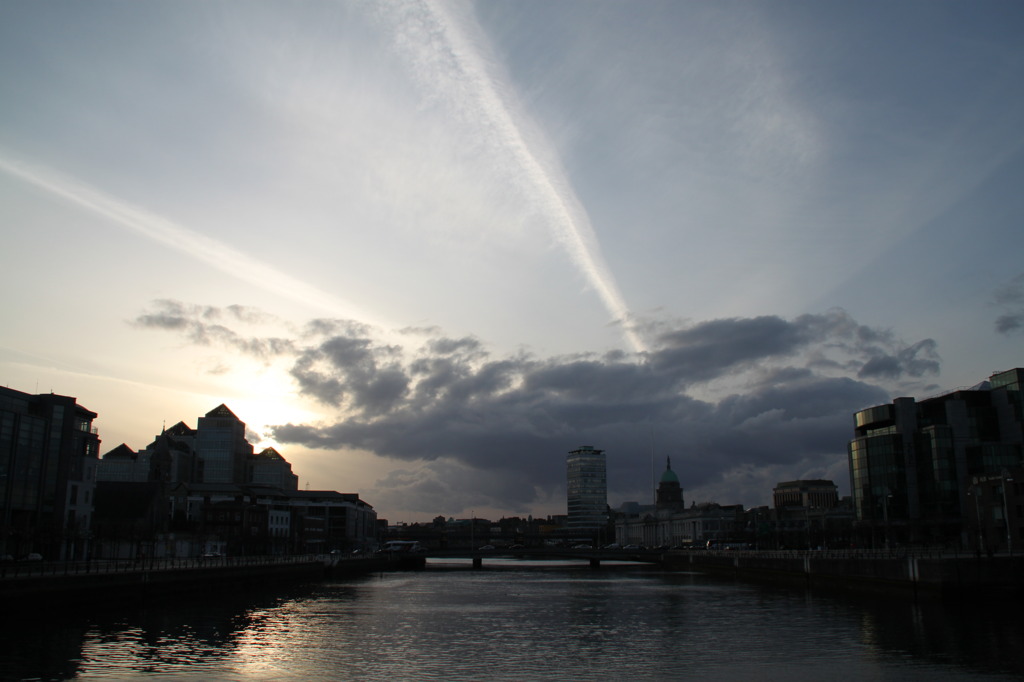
(913, 572)
(103, 579)
(78, 582)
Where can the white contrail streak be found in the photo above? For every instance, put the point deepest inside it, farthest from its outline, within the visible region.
(168, 233)
(451, 67)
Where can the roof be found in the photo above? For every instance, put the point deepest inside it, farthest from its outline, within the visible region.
(669, 476)
(180, 429)
(221, 411)
(122, 451)
(269, 453)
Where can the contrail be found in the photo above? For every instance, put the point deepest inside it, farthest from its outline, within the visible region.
(196, 245)
(452, 67)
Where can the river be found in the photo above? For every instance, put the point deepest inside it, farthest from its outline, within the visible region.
(518, 620)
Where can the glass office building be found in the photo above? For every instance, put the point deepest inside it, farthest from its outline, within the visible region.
(587, 488)
(911, 462)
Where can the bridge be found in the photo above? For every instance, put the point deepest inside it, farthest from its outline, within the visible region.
(593, 556)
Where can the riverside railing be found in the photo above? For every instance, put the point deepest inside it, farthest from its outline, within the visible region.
(31, 569)
(873, 554)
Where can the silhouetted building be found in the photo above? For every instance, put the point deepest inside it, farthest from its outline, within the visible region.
(808, 494)
(270, 468)
(48, 457)
(129, 519)
(166, 459)
(221, 443)
(912, 463)
(995, 514)
(670, 492)
(587, 489)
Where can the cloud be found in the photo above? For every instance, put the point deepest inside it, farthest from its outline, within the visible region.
(1010, 296)
(447, 53)
(172, 235)
(459, 417)
(198, 325)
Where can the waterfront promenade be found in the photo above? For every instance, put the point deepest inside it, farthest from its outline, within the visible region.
(904, 568)
(928, 570)
(933, 571)
(74, 579)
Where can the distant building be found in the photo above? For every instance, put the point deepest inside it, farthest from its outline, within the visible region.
(270, 468)
(48, 457)
(808, 494)
(587, 489)
(912, 464)
(221, 443)
(670, 492)
(202, 491)
(167, 459)
(809, 514)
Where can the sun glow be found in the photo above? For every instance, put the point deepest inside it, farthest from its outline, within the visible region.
(262, 396)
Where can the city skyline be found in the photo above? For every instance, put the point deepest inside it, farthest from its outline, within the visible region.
(425, 249)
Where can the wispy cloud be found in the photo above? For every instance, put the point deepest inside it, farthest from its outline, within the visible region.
(180, 238)
(446, 51)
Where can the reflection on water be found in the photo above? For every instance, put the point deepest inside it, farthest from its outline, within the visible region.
(515, 621)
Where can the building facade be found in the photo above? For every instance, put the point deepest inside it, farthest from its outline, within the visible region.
(912, 463)
(806, 493)
(587, 489)
(221, 444)
(49, 451)
(268, 467)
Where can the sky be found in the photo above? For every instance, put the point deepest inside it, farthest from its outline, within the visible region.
(426, 249)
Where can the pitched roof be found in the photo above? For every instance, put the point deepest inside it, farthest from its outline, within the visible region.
(122, 451)
(221, 411)
(180, 429)
(270, 453)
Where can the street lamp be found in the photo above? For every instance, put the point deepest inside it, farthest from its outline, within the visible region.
(973, 491)
(885, 514)
(1005, 475)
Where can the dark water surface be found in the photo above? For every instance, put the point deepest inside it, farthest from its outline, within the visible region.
(522, 621)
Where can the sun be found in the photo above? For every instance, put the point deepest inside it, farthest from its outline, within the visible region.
(265, 396)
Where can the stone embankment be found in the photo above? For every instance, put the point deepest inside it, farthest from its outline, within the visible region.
(104, 579)
(935, 571)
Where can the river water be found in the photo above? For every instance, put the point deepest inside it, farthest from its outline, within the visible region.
(522, 621)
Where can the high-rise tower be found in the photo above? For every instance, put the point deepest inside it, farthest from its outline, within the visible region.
(587, 488)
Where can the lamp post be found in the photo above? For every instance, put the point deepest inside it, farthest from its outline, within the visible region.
(885, 514)
(973, 491)
(1005, 475)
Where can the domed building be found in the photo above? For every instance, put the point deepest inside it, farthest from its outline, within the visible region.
(670, 493)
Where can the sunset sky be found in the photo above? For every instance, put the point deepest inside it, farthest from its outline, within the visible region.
(425, 249)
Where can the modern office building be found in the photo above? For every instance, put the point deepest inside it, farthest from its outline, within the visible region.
(587, 489)
(222, 446)
(48, 455)
(268, 467)
(912, 463)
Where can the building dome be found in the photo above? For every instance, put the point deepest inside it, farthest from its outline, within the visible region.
(669, 476)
